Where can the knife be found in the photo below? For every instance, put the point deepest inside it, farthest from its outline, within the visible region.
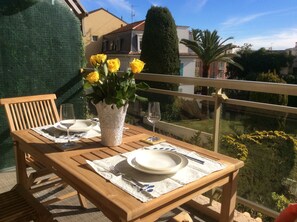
(192, 158)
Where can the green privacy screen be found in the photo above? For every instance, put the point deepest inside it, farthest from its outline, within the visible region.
(40, 52)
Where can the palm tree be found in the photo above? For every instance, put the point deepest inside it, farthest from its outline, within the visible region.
(210, 48)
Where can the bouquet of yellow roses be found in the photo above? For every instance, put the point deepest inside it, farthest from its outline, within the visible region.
(106, 85)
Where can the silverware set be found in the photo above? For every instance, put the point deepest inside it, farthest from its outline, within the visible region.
(141, 186)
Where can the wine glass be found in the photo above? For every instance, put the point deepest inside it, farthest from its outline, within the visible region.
(154, 113)
(67, 119)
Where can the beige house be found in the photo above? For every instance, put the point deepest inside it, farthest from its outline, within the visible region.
(125, 43)
(98, 23)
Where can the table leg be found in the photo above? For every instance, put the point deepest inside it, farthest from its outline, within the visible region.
(21, 166)
(229, 198)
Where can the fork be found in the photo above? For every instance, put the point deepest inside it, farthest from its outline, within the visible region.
(111, 169)
(145, 187)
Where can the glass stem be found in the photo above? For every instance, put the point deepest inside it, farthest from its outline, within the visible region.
(68, 135)
(153, 127)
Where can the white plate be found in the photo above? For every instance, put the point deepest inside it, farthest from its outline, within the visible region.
(174, 160)
(81, 125)
(158, 160)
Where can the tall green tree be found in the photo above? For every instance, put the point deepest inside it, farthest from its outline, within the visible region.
(160, 42)
(161, 55)
(210, 48)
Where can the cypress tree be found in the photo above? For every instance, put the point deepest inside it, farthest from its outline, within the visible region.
(161, 55)
(160, 42)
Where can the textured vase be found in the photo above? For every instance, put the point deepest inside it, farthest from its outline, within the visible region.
(112, 122)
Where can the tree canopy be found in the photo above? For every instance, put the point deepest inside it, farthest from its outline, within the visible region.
(210, 48)
(160, 42)
(256, 62)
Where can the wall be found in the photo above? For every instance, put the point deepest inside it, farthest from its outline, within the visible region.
(188, 61)
(99, 22)
(181, 132)
(188, 71)
(183, 33)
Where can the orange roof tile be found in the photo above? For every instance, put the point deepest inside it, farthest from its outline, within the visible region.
(139, 26)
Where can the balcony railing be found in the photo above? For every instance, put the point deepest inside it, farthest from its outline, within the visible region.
(222, 105)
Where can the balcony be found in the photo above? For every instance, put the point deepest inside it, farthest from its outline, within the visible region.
(234, 125)
(268, 127)
(262, 129)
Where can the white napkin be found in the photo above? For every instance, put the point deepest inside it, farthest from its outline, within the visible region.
(58, 136)
(157, 185)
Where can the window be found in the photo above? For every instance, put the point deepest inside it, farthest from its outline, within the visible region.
(221, 66)
(104, 45)
(121, 44)
(111, 46)
(181, 69)
(94, 38)
(139, 42)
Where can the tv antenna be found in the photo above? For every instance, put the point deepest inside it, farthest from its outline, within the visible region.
(132, 13)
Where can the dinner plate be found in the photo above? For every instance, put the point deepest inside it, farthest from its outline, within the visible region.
(81, 125)
(174, 160)
(158, 160)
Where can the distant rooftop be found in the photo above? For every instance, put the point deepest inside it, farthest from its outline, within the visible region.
(138, 26)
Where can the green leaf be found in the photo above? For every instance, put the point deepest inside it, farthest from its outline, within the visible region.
(143, 86)
(140, 98)
(87, 85)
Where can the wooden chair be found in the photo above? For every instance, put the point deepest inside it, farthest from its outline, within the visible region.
(20, 205)
(33, 111)
(181, 217)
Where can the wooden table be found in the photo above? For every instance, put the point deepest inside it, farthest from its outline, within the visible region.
(115, 203)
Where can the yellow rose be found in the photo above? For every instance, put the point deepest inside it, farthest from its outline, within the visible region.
(93, 60)
(113, 65)
(136, 65)
(101, 58)
(93, 77)
(97, 59)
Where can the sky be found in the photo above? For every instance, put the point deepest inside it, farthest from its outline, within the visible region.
(261, 23)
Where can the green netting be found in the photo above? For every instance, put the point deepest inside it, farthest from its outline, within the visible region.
(41, 51)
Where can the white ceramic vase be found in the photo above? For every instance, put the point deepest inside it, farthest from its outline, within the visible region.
(112, 122)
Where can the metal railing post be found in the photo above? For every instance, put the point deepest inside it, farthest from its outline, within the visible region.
(218, 98)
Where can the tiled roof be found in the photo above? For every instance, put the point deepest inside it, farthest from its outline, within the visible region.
(139, 26)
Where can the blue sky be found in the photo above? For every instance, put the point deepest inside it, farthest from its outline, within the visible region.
(262, 23)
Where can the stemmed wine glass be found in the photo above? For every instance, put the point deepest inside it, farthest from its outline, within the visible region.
(67, 119)
(154, 113)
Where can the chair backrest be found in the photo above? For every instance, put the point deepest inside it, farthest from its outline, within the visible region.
(30, 111)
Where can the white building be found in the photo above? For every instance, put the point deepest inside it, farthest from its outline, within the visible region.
(125, 43)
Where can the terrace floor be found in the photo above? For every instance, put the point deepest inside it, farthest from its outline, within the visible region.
(70, 210)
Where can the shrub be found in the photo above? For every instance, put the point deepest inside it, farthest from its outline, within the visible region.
(269, 158)
(234, 148)
(268, 120)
